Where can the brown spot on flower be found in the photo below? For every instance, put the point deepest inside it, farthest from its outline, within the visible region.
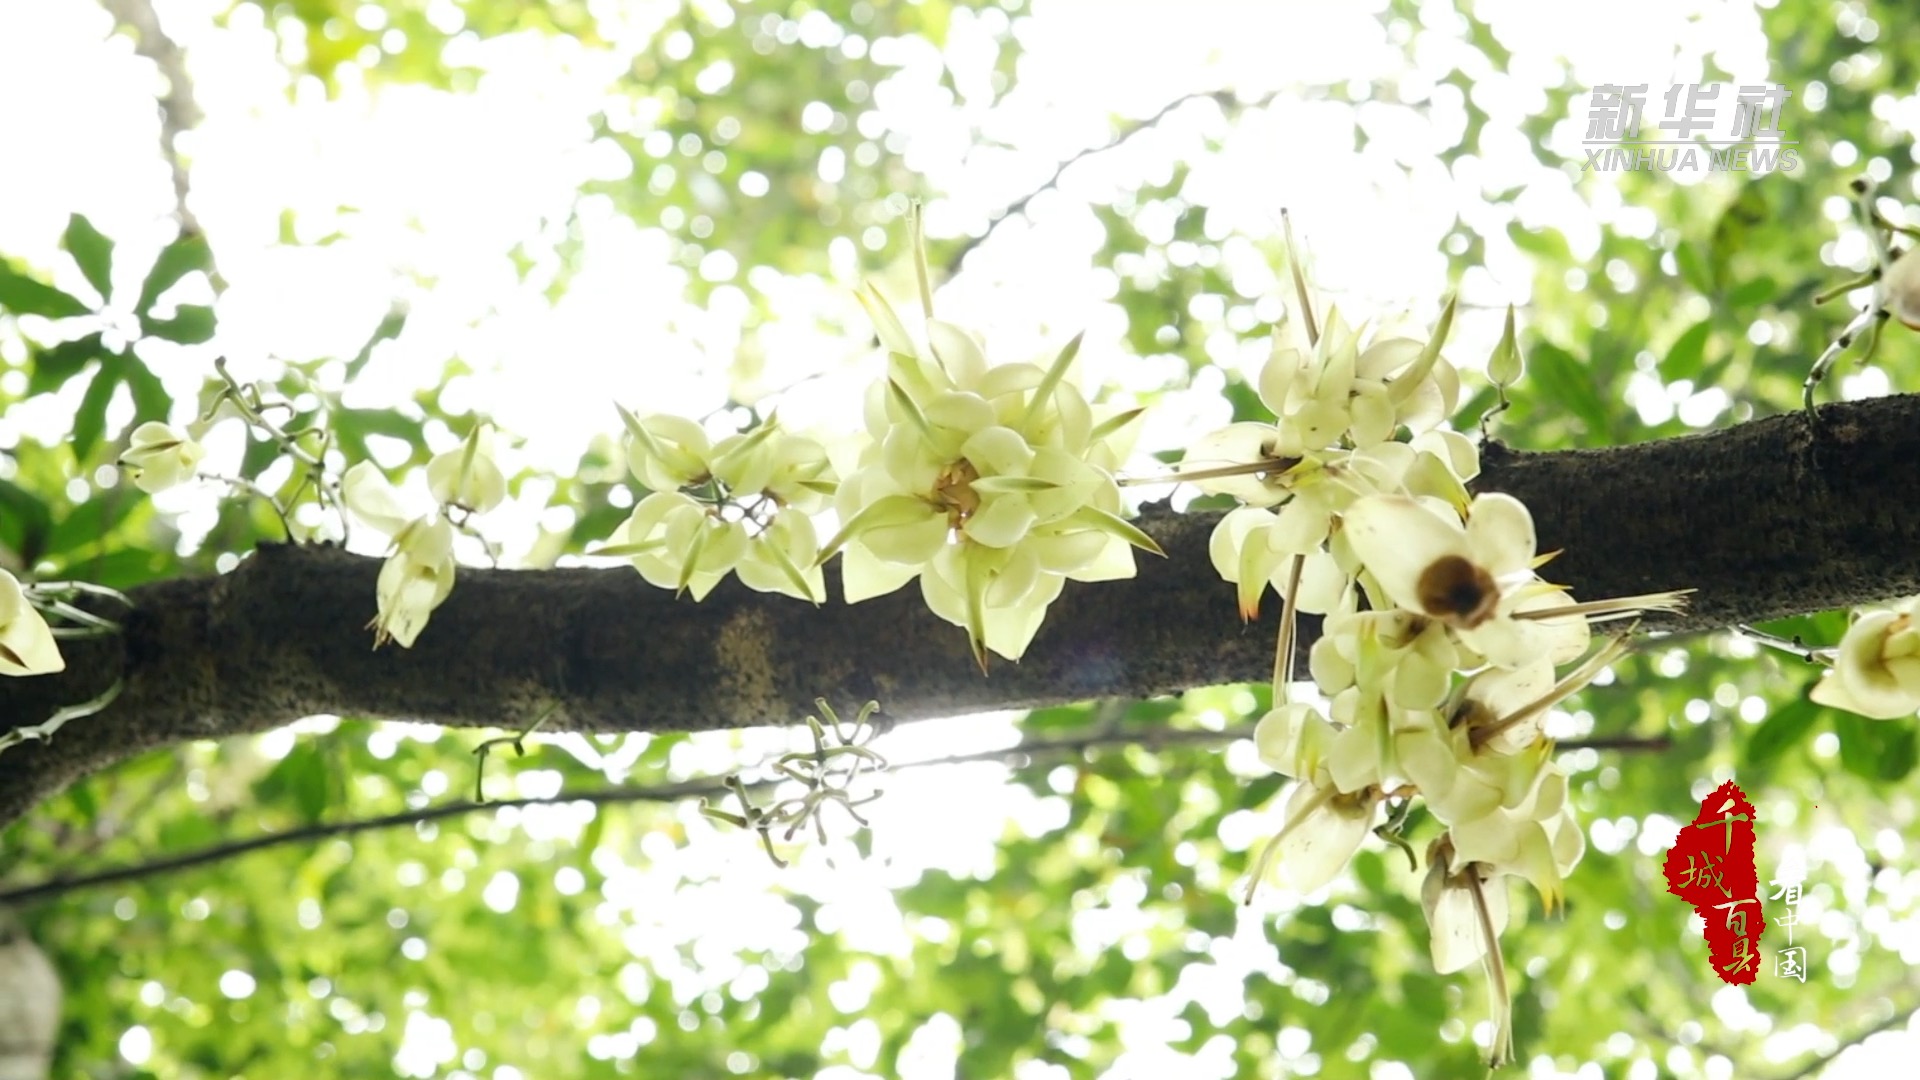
(1459, 592)
(1473, 714)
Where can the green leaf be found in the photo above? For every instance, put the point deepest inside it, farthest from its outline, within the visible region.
(1879, 750)
(900, 399)
(352, 426)
(176, 261)
(1733, 234)
(90, 419)
(261, 453)
(1003, 485)
(23, 295)
(389, 328)
(150, 398)
(1564, 381)
(24, 522)
(1246, 402)
(92, 521)
(1786, 727)
(1693, 267)
(50, 368)
(120, 569)
(1685, 357)
(1547, 244)
(1753, 293)
(191, 325)
(1043, 395)
(93, 251)
(1900, 749)
(300, 779)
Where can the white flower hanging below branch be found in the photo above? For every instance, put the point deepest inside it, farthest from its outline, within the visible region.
(418, 574)
(1440, 643)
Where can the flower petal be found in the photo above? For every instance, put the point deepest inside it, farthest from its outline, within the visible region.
(1398, 539)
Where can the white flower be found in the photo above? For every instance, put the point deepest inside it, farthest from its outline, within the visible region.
(467, 476)
(1466, 909)
(415, 579)
(665, 452)
(26, 642)
(1469, 577)
(1293, 739)
(1876, 670)
(1453, 911)
(1256, 549)
(1011, 589)
(1459, 781)
(784, 558)
(1535, 838)
(373, 500)
(160, 457)
(791, 470)
(418, 573)
(982, 481)
(1414, 665)
(677, 543)
(1324, 828)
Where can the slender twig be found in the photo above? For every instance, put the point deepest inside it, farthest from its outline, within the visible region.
(702, 788)
(246, 486)
(1019, 206)
(179, 112)
(1028, 753)
(519, 744)
(1821, 1061)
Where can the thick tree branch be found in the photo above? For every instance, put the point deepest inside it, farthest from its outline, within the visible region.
(1776, 517)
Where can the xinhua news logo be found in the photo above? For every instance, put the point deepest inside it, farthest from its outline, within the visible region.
(1702, 127)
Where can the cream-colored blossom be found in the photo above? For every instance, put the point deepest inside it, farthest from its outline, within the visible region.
(419, 571)
(982, 481)
(1876, 669)
(467, 476)
(414, 581)
(783, 558)
(1323, 829)
(678, 543)
(160, 457)
(27, 646)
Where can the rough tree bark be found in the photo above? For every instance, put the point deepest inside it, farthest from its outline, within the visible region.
(1775, 517)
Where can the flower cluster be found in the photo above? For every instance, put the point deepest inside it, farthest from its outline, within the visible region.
(739, 506)
(1440, 645)
(991, 484)
(1876, 668)
(418, 573)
